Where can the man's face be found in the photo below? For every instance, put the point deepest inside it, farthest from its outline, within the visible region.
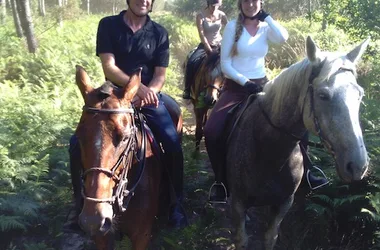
(140, 7)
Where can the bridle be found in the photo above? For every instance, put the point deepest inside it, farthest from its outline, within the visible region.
(212, 86)
(316, 70)
(121, 196)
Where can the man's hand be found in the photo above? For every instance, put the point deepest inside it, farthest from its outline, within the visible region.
(145, 97)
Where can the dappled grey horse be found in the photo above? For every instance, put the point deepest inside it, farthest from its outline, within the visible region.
(264, 162)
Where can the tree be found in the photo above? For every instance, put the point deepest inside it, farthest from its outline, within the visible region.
(3, 11)
(25, 14)
(41, 8)
(16, 19)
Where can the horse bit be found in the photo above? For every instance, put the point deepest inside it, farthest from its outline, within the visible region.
(125, 160)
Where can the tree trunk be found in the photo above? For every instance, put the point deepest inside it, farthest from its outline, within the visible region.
(3, 11)
(60, 13)
(16, 19)
(25, 14)
(88, 7)
(41, 8)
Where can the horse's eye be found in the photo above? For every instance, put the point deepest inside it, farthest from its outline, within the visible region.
(324, 96)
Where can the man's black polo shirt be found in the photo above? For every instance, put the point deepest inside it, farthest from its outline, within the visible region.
(147, 48)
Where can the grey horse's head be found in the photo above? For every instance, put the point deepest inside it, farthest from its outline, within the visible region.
(332, 111)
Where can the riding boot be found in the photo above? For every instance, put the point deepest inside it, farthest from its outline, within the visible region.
(71, 224)
(177, 215)
(218, 191)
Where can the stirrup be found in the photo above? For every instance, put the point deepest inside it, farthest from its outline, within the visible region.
(216, 184)
(318, 186)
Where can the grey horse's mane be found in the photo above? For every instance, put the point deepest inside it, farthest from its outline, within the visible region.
(294, 80)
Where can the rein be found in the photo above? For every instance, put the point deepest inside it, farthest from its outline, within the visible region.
(125, 160)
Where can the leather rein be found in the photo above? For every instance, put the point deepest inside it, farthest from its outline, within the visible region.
(121, 195)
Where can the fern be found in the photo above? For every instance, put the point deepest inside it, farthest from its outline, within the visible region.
(9, 223)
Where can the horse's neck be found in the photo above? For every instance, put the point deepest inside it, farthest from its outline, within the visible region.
(285, 101)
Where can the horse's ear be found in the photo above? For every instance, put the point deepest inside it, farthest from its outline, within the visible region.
(83, 81)
(312, 50)
(358, 51)
(133, 85)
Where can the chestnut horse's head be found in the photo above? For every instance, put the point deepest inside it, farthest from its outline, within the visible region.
(104, 132)
(208, 80)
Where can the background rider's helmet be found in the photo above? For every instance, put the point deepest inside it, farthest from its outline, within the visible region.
(214, 2)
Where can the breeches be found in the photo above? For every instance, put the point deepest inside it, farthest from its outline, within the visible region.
(162, 126)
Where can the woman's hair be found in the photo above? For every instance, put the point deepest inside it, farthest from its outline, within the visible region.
(238, 31)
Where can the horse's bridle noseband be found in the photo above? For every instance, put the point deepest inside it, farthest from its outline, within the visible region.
(125, 160)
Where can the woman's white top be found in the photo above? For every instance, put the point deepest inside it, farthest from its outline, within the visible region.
(249, 62)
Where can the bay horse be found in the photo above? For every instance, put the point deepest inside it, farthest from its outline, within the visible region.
(121, 170)
(205, 90)
(264, 165)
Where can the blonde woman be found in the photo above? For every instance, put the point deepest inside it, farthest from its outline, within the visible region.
(209, 22)
(243, 50)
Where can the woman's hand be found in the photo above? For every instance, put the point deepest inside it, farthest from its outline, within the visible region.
(262, 15)
(253, 88)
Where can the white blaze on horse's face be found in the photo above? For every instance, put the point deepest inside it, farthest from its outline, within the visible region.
(337, 97)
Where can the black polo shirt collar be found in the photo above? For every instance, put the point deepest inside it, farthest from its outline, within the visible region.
(147, 26)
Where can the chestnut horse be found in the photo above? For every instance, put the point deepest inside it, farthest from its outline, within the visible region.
(264, 163)
(205, 90)
(122, 172)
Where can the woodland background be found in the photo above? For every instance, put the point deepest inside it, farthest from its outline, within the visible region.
(41, 41)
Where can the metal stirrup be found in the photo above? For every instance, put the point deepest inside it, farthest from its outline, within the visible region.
(215, 184)
(323, 174)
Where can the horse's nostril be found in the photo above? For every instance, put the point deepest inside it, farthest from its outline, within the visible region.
(350, 169)
(106, 225)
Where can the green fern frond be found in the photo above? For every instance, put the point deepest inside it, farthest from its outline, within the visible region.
(337, 202)
(317, 209)
(374, 215)
(322, 198)
(8, 223)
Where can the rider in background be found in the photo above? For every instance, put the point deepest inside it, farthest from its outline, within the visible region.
(244, 47)
(209, 24)
(243, 50)
(125, 43)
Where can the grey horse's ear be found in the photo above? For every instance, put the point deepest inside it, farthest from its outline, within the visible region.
(358, 51)
(312, 51)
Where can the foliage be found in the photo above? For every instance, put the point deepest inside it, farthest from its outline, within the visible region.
(41, 106)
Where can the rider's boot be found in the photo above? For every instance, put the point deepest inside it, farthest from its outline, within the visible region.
(71, 224)
(177, 215)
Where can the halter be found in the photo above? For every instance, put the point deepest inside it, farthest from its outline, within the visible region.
(125, 161)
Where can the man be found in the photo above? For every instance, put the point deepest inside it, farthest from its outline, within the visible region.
(126, 42)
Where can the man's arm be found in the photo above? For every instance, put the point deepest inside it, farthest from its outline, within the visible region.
(145, 95)
(148, 95)
(111, 71)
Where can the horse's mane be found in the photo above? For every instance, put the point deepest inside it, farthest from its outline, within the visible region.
(294, 80)
(212, 60)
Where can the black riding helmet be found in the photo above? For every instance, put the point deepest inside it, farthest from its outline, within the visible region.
(151, 6)
(211, 2)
